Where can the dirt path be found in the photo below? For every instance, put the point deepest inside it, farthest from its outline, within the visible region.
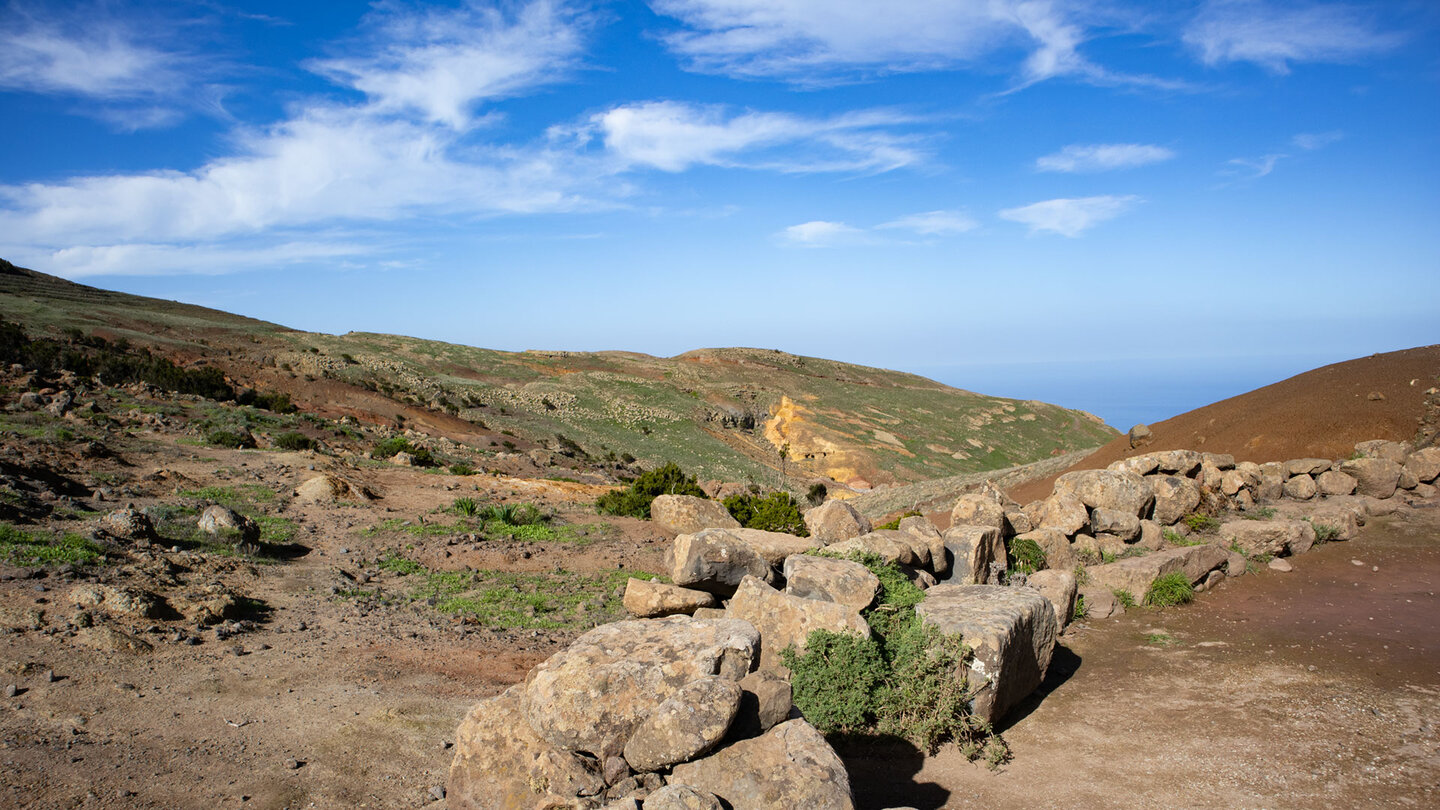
(1318, 688)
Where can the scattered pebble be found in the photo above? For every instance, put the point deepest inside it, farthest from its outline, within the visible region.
(437, 792)
(1357, 562)
(1280, 565)
(50, 676)
(11, 690)
(292, 764)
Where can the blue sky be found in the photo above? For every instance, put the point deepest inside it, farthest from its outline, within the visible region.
(1135, 208)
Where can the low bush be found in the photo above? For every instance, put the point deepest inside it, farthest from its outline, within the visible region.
(229, 438)
(1081, 610)
(387, 448)
(1201, 523)
(1324, 532)
(1026, 556)
(466, 507)
(461, 468)
(293, 440)
(776, 512)
(634, 501)
(816, 494)
(1124, 597)
(907, 679)
(1171, 589)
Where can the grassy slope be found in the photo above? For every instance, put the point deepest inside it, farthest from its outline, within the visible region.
(839, 420)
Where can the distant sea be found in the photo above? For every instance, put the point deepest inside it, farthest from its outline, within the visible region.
(1125, 393)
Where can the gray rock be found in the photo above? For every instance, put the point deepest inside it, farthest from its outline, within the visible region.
(1107, 489)
(1123, 525)
(682, 797)
(220, 521)
(1270, 488)
(1140, 435)
(127, 524)
(783, 620)
(1175, 497)
(1300, 487)
(790, 766)
(1152, 536)
(1334, 482)
(1256, 537)
(592, 695)
(1060, 588)
(1012, 632)
(685, 725)
(1376, 477)
(834, 521)
(848, 583)
(687, 514)
(1220, 461)
(118, 601)
(715, 560)
(972, 549)
(647, 599)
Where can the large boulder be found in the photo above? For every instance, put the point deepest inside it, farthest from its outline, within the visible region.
(978, 509)
(687, 514)
(715, 560)
(326, 488)
(1334, 482)
(1306, 466)
(920, 552)
(1255, 537)
(591, 696)
(972, 549)
(1384, 449)
(784, 620)
(1175, 497)
(1012, 632)
(1332, 521)
(790, 766)
(685, 725)
(1122, 525)
(829, 580)
(1424, 464)
(1271, 487)
(834, 521)
(1064, 512)
(1058, 551)
(1108, 489)
(647, 599)
(1178, 462)
(922, 529)
(501, 763)
(1376, 477)
(1300, 487)
(1060, 588)
(1134, 575)
(1140, 435)
(221, 521)
(878, 543)
(775, 547)
(1140, 465)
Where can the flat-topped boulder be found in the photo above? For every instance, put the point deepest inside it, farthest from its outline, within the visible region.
(1135, 575)
(774, 547)
(1060, 588)
(647, 599)
(972, 549)
(1011, 631)
(878, 543)
(687, 514)
(715, 560)
(1256, 537)
(1376, 477)
(829, 580)
(783, 620)
(790, 766)
(592, 695)
(1307, 466)
(1175, 497)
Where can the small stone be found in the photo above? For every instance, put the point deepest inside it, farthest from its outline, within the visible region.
(50, 676)
(437, 792)
(1280, 565)
(292, 764)
(1357, 562)
(11, 690)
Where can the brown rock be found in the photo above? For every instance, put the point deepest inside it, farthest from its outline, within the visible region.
(1175, 497)
(1424, 464)
(1064, 512)
(647, 599)
(835, 521)
(1334, 482)
(715, 560)
(790, 766)
(1300, 487)
(327, 488)
(1122, 525)
(972, 549)
(783, 620)
(682, 797)
(1256, 537)
(775, 547)
(1135, 575)
(1058, 551)
(765, 702)
(922, 529)
(1107, 489)
(829, 580)
(879, 543)
(1060, 588)
(687, 514)
(978, 509)
(686, 724)
(1376, 477)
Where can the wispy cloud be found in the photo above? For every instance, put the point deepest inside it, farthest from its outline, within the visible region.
(930, 225)
(1275, 35)
(814, 41)
(1101, 157)
(673, 136)
(139, 73)
(1254, 168)
(1070, 216)
(442, 62)
(1310, 141)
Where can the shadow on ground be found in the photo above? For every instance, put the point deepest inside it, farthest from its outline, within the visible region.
(882, 774)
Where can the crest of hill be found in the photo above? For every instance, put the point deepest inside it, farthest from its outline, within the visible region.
(1321, 413)
(734, 414)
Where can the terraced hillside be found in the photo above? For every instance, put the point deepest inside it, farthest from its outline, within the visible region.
(731, 414)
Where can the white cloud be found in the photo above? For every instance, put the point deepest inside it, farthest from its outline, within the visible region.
(811, 39)
(1275, 35)
(1254, 168)
(1310, 141)
(1070, 216)
(170, 259)
(820, 233)
(1102, 157)
(933, 223)
(442, 62)
(673, 136)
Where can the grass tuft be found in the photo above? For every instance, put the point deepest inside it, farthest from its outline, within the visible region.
(1171, 589)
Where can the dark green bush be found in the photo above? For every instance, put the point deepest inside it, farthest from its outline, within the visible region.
(293, 440)
(230, 438)
(895, 524)
(816, 495)
(667, 479)
(1171, 589)
(1026, 556)
(776, 512)
(387, 448)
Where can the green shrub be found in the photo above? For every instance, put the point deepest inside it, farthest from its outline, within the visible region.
(1324, 532)
(1124, 597)
(667, 479)
(293, 440)
(907, 679)
(895, 524)
(1172, 589)
(776, 512)
(229, 438)
(465, 506)
(1201, 523)
(461, 468)
(19, 547)
(512, 514)
(816, 494)
(1026, 556)
(387, 448)
(1081, 610)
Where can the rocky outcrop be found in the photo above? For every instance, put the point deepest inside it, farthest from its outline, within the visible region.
(1135, 575)
(687, 514)
(1257, 537)
(1011, 631)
